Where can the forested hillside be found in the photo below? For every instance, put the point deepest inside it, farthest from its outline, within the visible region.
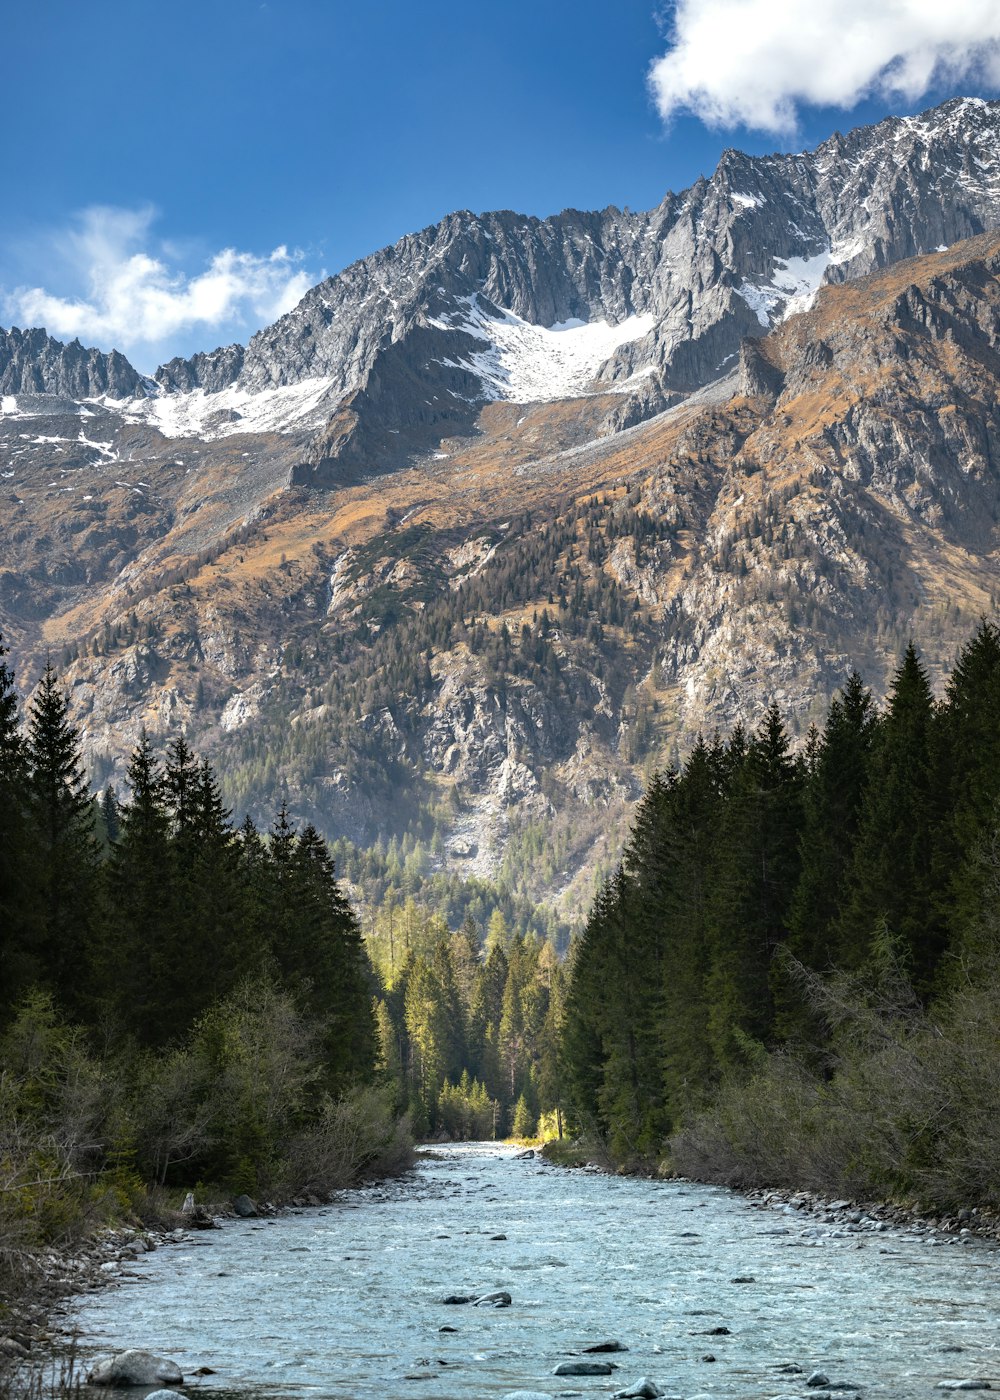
(794, 975)
(185, 1001)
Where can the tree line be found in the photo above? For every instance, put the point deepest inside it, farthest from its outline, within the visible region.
(469, 1028)
(788, 975)
(181, 1000)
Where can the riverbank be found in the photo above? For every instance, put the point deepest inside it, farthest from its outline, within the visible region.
(980, 1222)
(42, 1285)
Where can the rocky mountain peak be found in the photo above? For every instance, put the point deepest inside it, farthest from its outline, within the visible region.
(32, 362)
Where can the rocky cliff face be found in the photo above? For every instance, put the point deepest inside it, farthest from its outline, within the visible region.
(31, 362)
(683, 284)
(768, 452)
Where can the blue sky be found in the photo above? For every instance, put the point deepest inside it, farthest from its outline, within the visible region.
(177, 175)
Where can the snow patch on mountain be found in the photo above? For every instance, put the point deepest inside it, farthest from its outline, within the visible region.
(291, 408)
(793, 286)
(524, 363)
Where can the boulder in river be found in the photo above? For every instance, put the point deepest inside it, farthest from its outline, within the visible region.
(201, 1218)
(244, 1207)
(500, 1299)
(643, 1389)
(604, 1346)
(584, 1368)
(136, 1367)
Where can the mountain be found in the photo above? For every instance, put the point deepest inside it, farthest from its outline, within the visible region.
(498, 518)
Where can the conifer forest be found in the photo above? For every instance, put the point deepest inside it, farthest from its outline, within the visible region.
(791, 978)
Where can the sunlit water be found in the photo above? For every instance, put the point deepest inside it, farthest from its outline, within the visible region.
(345, 1301)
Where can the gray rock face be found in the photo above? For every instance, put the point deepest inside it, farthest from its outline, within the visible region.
(713, 264)
(31, 362)
(407, 339)
(212, 370)
(404, 345)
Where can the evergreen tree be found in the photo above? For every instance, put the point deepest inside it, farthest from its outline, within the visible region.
(891, 875)
(686, 886)
(966, 764)
(831, 811)
(20, 934)
(756, 872)
(66, 847)
(323, 956)
(140, 923)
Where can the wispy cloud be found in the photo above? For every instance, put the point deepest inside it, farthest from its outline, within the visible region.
(753, 63)
(134, 296)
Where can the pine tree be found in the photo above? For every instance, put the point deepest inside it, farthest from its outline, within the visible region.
(832, 798)
(966, 774)
(756, 874)
(323, 956)
(891, 877)
(141, 919)
(20, 934)
(67, 848)
(686, 887)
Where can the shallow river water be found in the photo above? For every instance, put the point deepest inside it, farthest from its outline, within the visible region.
(344, 1302)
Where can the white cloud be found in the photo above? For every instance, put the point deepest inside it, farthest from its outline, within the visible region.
(753, 62)
(134, 296)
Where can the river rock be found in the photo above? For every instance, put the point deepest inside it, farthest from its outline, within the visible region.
(244, 1207)
(643, 1389)
(584, 1368)
(500, 1299)
(135, 1367)
(200, 1218)
(604, 1346)
(524, 1156)
(818, 1379)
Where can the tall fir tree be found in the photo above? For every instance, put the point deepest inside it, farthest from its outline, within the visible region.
(67, 848)
(891, 875)
(756, 873)
(20, 931)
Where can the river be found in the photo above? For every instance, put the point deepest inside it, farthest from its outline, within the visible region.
(344, 1302)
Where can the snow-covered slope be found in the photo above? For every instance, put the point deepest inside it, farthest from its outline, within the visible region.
(400, 349)
(535, 364)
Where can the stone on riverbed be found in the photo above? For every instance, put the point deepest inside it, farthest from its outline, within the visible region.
(244, 1207)
(643, 1389)
(499, 1299)
(135, 1367)
(604, 1346)
(584, 1368)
